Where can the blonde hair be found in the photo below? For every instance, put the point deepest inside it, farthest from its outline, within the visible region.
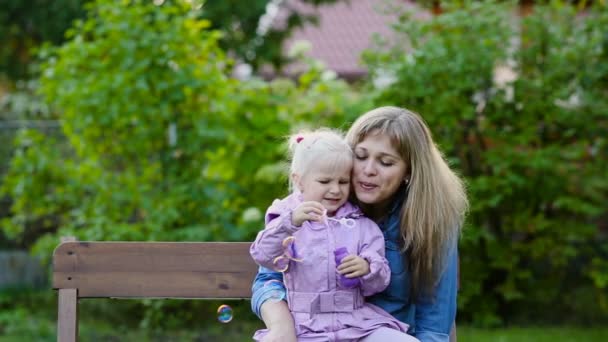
(315, 149)
(434, 209)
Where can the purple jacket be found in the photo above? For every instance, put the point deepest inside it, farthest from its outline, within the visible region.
(322, 309)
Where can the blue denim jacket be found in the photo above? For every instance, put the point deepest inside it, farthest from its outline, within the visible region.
(430, 318)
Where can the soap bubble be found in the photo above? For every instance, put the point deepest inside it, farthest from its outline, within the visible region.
(224, 313)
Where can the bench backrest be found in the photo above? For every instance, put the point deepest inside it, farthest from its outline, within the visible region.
(154, 269)
(148, 270)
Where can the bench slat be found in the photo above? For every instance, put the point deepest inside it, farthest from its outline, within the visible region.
(155, 269)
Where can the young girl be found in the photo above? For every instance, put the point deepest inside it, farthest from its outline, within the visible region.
(315, 229)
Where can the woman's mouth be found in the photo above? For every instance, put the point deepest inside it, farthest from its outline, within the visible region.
(367, 186)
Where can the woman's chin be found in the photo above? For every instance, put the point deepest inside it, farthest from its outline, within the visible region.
(366, 197)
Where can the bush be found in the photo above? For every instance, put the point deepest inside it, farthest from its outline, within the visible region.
(520, 107)
(163, 143)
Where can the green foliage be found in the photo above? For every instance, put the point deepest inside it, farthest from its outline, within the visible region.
(240, 26)
(520, 107)
(164, 145)
(27, 24)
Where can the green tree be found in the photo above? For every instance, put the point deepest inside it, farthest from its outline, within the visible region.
(240, 26)
(519, 105)
(164, 145)
(27, 24)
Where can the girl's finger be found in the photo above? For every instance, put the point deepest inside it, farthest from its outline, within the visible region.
(314, 204)
(344, 266)
(314, 217)
(349, 258)
(348, 263)
(353, 274)
(315, 211)
(311, 209)
(351, 269)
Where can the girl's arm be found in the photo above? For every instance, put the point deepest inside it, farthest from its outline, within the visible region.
(435, 315)
(372, 250)
(269, 243)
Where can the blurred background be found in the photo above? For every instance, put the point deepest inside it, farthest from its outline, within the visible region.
(158, 120)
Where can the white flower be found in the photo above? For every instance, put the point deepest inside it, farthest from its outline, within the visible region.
(299, 48)
(503, 75)
(328, 75)
(573, 102)
(384, 79)
(252, 214)
(243, 71)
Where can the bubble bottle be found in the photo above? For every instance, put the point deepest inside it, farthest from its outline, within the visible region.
(347, 283)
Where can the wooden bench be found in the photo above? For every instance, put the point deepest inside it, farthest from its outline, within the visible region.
(147, 270)
(211, 270)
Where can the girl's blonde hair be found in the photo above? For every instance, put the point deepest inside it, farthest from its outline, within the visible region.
(436, 203)
(323, 148)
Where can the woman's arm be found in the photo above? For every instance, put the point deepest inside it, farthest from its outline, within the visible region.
(435, 316)
(373, 251)
(275, 313)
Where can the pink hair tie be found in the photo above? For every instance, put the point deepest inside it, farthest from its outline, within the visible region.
(298, 139)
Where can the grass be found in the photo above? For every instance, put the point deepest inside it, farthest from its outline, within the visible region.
(117, 320)
(243, 332)
(534, 334)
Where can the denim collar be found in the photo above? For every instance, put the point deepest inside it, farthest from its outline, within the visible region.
(395, 208)
(398, 200)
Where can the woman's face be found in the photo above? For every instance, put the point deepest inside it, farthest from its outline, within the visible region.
(378, 170)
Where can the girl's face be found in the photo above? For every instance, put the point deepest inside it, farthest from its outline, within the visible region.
(329, 186)
(378, 170)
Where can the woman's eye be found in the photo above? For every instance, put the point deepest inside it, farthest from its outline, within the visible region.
(385, 163)
(324, 181)
(358, 157)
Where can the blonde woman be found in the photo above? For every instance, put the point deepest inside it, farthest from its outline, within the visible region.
(402, 182)
(312, 231)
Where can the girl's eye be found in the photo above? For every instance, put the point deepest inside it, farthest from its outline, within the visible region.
(324, 181)
(344, 182)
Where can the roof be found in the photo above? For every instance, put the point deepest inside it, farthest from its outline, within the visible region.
(344, 30)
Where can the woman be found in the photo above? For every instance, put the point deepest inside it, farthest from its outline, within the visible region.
(402, 182)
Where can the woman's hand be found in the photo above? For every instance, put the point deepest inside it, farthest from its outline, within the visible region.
(353, 266)
(307, 211)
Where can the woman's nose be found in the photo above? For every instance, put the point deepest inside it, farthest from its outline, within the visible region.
(369, 168)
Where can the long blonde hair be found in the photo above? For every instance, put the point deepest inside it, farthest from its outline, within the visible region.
(435, 206)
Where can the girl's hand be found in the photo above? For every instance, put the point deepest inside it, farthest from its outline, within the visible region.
(307, 211)
(353, 266)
